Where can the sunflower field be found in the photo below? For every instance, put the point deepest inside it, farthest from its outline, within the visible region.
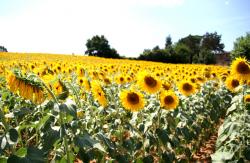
(62, 108)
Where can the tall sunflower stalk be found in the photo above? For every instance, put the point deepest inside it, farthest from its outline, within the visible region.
(61, 120)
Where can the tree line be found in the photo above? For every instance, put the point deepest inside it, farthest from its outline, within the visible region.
(190, 49)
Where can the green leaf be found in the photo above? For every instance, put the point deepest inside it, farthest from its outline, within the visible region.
(85, 141)
(69, 109)
(35, 155)
(16, 159)
(231, 108)
(148, 159)
(42, 122)
(128, 144)
(185, 132)
(168, 157)
(3, 159)
(71, 158)
(21, 152)
(23, 111)
(163, 135)
(62, 131)
(246, 152)
(106, 141)
(49, 138)
(122, 158)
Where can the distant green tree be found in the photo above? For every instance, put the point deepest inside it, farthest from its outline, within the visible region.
(241, 47)
(190, 49)
(99, 46)
(3, 49)
(193, 43)
(206, 57)
(168, 42)
(212, 42)
(181, 53)
(156, 54)
(156, 48)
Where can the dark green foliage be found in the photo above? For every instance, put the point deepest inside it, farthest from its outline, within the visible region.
(3, 49)
(193, 43)
(212, 42)
(242, 47)
(99, 46)
(168, 43)
(190, 49)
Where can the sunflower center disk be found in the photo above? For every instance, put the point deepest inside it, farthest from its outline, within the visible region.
(243, 68)
(166, 86)
(150, 81)
(133, 98)
(187, 87)
(235, 83)
(168, 100)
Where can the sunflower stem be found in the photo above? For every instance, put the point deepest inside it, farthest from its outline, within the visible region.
(244, 119)
(76, 95)
(159, 117)
(61, 120)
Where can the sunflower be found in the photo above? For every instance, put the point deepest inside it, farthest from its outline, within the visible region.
(247, 98)
(169, 100)
(58, 88)
(200, 79)
(132, 100)
(107, 80)
(86, 84)
(80, 81)
(166, 86)
(187, 88)
(121, 79)
(26, 90)
(232, 83)
(240, 69)
(149, 83)
(98, 94)
(128, 79)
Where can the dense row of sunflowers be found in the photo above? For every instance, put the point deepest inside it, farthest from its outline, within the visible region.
(154, 78)
(112, 84)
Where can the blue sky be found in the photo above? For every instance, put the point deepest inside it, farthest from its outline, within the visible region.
(63, 26)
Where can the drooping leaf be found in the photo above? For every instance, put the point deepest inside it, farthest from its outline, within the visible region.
(163, 135)
(106, 141)
(85, 140)
(34, 155)
(21, 152)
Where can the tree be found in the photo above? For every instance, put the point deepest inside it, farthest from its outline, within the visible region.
(206, 57)
(156, 54)
(193, 43)
(212, 41)
(241, 47)
(181, 53)
(3, 49)
(168, 42)
(99, 46)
